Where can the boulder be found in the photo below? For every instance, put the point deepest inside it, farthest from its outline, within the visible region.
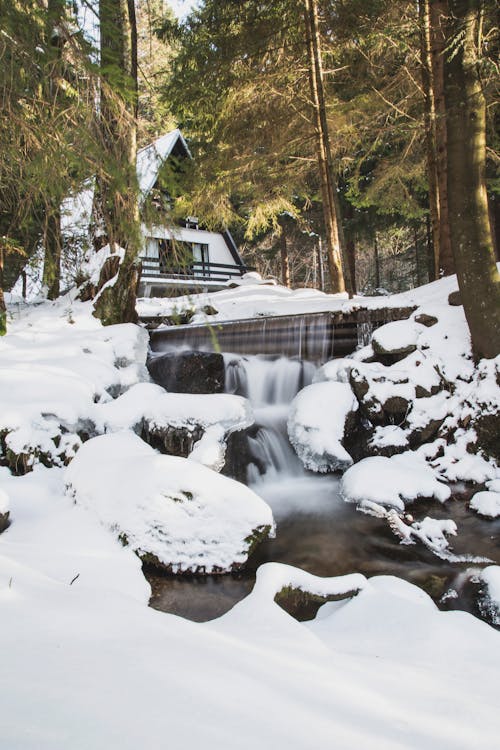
(455, 299)
(425, 320)
(188, 372)
(175, 514)
(397, 338)
(321, 417)
(4, 510)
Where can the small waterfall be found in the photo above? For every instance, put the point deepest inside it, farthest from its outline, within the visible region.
(270, 385)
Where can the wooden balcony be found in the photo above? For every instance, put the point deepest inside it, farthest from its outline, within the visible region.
(153, 269)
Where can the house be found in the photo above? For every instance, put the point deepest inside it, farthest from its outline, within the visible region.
(186, 257)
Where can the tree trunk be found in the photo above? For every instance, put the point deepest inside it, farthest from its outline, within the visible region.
(285, 261)
(117, 190)
(331, 213)
(321, 270)
(3, 309)
(52, 237)
(53, 250)
(377, 262)
(471, 238)
(438, 11)
(430, 127)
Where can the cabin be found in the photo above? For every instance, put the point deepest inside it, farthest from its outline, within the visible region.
(184, 256)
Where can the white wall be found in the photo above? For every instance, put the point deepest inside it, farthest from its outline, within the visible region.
(218, 251)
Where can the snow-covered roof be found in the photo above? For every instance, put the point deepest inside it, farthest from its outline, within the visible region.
(77, 208)
(150, 158)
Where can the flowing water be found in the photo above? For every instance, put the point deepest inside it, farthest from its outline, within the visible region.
(316, 529)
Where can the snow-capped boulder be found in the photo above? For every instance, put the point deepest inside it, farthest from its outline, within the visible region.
(486, 504)
(4, 510)
(174, 513)
(398, 337)
(172, 422)
(391, 482)
(489, 603)
(188, 372)
(337, 370)
(320, 419)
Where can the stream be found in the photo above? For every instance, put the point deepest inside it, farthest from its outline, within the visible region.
(316, 530)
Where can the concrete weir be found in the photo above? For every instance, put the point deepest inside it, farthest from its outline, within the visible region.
(316, 337)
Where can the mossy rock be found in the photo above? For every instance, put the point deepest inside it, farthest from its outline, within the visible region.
(303, 605)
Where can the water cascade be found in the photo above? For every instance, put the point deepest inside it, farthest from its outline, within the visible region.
(316, 529)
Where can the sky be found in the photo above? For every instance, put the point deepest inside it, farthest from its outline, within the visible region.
(181, 8)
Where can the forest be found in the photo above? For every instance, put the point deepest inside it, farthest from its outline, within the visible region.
(249, 374)
(348, 145)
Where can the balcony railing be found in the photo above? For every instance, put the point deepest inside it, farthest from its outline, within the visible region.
(200, 271)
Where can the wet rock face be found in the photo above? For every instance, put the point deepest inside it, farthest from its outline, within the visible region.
(4, 521)
(188, 372)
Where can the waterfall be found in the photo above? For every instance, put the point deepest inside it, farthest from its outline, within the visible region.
(270, 385)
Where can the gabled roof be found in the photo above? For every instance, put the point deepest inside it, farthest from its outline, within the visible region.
(77, 208)
(150, 158)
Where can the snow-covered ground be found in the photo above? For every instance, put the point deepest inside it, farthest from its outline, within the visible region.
(85, 662)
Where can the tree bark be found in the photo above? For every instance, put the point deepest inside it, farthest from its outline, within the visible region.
(471, 238)
(52, 236)
(53, 251)
(285, 261)
(377, 262)
(331, 212)
(444, 262)
(430, 127)
(117, 189)
(3, 309)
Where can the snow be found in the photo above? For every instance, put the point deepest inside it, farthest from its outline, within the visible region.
(486, 504)
(182, 514)
(391, 481)
(86, 663)
(491, 577)
(151, 403)
(396, 337)
(316, 425)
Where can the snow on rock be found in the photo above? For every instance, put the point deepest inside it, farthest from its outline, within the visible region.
(399, 337)
(391, 481)
(389, 436)
(493, 485)
(432, 532)
(337, 370)
(486, 504)
(318, 422)
(151, 403)
(173, 513)
(490, 604)
(4, 510)
(210, 449)
(174, 422)
(55, 363)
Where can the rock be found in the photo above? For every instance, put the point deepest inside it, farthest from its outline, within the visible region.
(189, 372)
(455, 299)
(487, 428)
(486, 503)
(321, 417)
(397, 407)
(175, 514)
(4, 510)
(209, 310)
(175, 441)
(424, 434)
(425, 320)
(396, 338)
(4, 521)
